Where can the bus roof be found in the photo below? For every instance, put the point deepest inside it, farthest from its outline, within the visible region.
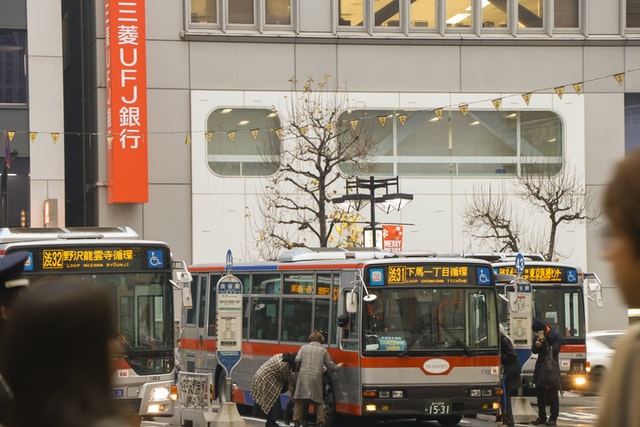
(23, 234)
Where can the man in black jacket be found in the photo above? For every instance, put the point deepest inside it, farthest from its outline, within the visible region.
(546, 340)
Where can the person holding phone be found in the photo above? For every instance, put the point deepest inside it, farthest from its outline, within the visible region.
(546, 340)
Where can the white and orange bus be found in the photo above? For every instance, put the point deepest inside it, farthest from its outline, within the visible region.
(560, 293)
(141, 277)
(422, 342)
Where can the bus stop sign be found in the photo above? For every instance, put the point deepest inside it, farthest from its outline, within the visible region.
(229, 324)
(519, 264)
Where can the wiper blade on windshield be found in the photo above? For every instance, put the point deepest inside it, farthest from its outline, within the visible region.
(413, 342)
(458, 341)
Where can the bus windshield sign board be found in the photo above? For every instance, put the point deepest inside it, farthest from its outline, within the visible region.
(229, 324)
(544, 273)
(428, 274)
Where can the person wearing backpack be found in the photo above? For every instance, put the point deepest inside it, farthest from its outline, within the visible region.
(510, 376)
(546, 345)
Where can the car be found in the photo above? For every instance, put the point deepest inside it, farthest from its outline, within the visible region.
(600, 349)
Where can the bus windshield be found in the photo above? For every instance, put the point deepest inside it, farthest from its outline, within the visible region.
(143, 317)
(419, 320)
(562, 308)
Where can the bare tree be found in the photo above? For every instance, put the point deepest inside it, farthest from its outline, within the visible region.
(317, 137)
(562, 197)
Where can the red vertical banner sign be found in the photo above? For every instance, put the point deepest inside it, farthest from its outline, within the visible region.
(126, 99)
(392, 238)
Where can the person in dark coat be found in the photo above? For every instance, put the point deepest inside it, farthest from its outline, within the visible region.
(510, 376)
(312, 358)
(271, 380)
(546, 340)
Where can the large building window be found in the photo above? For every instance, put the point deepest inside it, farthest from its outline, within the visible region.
(13, 68)
(243, 142)
(240, 13)
(418, 143)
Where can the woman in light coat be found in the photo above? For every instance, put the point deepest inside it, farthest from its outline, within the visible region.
(312, 359)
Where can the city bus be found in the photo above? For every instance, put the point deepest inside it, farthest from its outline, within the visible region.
(559, 293)
(422, 341)
(140, 277)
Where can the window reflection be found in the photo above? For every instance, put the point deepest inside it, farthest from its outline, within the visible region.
(386, 13)
(13, 81)
(633, 13)
(494, 14)
(422, 14)
(240, 11)
(566, 14)
(278, 12)
(204, 11)
(242, 142)
(417, 143)
(530, 13)
(351, 13)
(458, 13)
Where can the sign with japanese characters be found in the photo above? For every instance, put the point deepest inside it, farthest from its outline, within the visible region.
(229, 321)
(126, 101)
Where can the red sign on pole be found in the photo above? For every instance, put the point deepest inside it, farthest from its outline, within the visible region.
(392, 238)
(126, 99)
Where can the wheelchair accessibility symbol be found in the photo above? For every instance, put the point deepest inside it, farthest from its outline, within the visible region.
(155, 259)
(484, 276)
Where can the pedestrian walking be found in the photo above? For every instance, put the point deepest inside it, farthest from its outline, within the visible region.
(620, 397)
(312, 359)
(269, 382)
(546, 345)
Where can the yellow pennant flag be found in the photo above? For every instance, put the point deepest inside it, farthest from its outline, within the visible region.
(382, 120)
(32, 136)
(55, 136)
(578, 87)
(208, 136)
(254, 133)
(496, 103)
(464, 108)
(354, 123)
(403, 119)
(11, 134)
(231, 135)
(438, 112)
(559, 91)
(619, 78)
(187, 141)
(526, 97)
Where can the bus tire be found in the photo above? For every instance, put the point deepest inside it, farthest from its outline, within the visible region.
(450, 420)
(330, 415)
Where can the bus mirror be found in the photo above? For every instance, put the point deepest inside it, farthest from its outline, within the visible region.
(187, 301)
(352, 301)
(594, 288)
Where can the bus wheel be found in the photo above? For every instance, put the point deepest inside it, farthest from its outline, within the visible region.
(450, 420)
(329, 402)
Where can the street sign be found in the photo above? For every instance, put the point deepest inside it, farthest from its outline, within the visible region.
(519, 264)
(229, 324)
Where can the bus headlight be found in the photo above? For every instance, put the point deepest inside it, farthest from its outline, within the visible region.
(159, 393)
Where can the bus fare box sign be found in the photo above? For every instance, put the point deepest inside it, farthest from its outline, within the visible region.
(229, 322)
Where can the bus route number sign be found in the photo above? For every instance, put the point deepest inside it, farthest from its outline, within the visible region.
(229, 322)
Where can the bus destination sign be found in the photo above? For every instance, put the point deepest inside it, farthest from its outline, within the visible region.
(543, 273)
(93, 258)
(430, 274)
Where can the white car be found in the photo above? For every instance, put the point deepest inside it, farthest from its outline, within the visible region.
(600, 349)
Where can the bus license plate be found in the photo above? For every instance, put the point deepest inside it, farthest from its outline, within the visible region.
(437, 408)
